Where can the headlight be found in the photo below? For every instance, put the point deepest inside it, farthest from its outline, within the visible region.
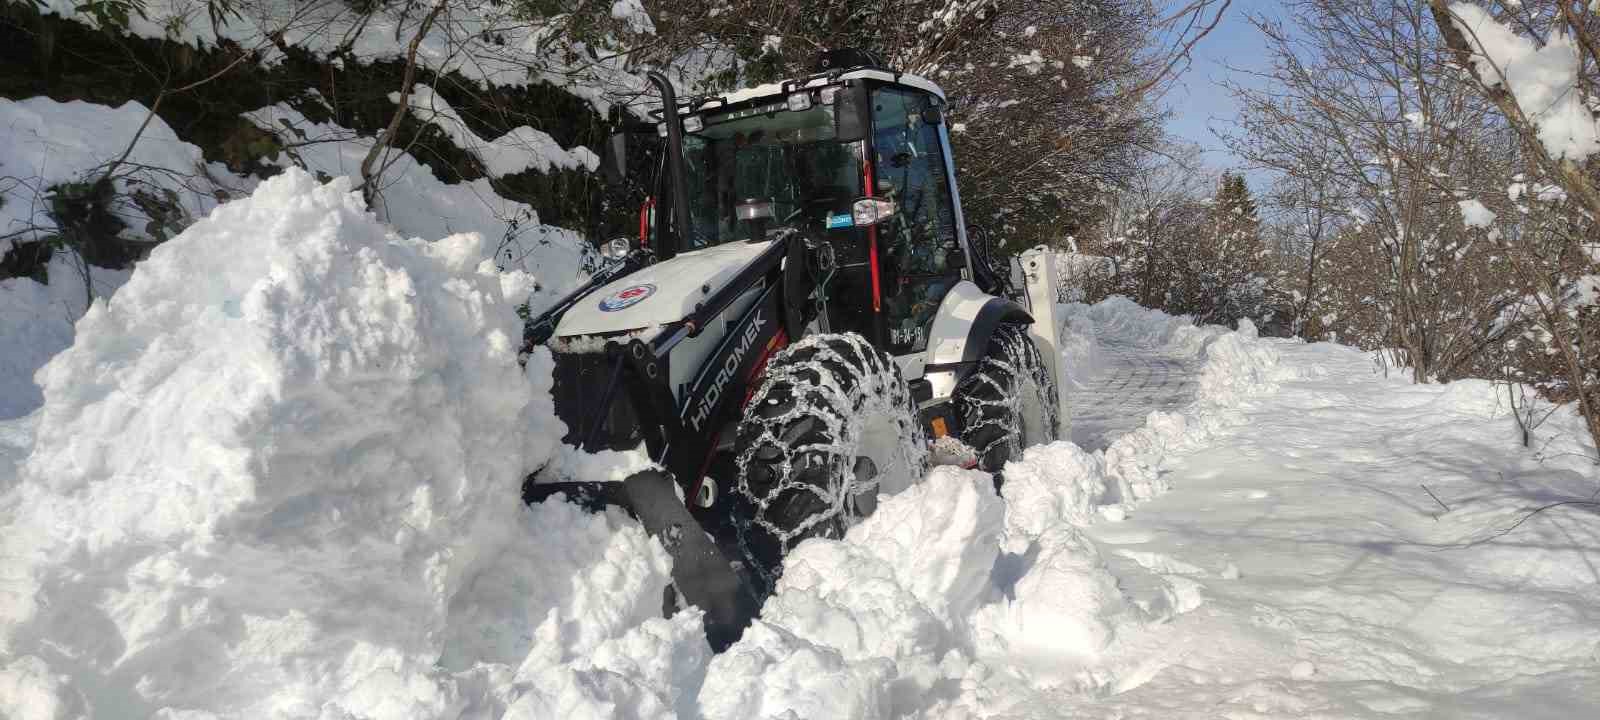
(616, 248)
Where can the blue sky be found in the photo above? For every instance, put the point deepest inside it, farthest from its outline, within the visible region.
(1198, 102)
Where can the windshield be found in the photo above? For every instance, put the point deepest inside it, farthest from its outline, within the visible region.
(768, 154)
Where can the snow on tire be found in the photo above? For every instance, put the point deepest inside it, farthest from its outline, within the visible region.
(1008, 402)
(831, 422)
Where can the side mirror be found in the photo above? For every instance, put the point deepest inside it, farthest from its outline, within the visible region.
(955, 259)
(614, 164)
(852, 112)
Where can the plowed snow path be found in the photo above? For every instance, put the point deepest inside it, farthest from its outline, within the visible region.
(1333, 586)
(1136, 380)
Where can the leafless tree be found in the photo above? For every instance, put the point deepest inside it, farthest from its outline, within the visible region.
(1357, 86)
(1547, 235)
(1149, 224)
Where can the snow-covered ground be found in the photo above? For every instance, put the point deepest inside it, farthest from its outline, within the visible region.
(273, 477)
(1129, 375)
(1334, 586)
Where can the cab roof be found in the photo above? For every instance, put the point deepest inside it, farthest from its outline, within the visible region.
(701, 103)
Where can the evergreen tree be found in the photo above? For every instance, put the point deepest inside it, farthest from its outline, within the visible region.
(1230, 283)
(1237, 226)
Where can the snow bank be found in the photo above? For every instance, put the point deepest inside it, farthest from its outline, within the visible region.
(875, 613)
(1082, 326)
(1062, 614)
(417, 203)
(275, 477)
(1082, 357)
(1233, 366)
(47, 143)
(948, 594)
(488, 42)
(522, 149)
(16, 441)
(1133, 323)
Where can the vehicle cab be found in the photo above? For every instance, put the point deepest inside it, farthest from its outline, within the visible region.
(858, 157)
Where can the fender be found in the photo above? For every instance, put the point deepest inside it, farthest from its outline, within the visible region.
(992, 315)
(967, 318)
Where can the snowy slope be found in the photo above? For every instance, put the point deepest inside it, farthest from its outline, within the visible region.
(274, 477)
(50, 143)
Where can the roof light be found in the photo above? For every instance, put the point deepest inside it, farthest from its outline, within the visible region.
(871, 211)
(799, 101)
(694, 123)
(829, 93)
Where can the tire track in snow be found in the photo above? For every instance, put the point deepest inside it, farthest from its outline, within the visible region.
(1138, 379)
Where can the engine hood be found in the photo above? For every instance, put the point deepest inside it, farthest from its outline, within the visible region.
(660, 293)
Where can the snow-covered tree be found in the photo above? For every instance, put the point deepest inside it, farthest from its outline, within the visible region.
(1232, 258)
(1050, 101)
(1358, 89)
(1536, 62)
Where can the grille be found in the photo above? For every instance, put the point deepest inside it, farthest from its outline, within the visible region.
(580, 384)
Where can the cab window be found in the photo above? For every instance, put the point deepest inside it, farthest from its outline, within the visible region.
(918, 247)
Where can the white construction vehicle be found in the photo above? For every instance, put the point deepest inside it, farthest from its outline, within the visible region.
(801, 317)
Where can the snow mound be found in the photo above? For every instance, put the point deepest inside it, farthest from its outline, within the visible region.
(874, 613)
(275, 477)
(50, 143)
(1050, 483)
(1133, 323)
(1237, 365)
(416, 202)
(1061, 615)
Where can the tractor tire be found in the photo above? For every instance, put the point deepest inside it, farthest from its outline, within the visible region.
(830, 422)
(1008, 402)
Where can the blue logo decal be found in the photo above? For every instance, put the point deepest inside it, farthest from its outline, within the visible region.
(626, 297)
(840, 221)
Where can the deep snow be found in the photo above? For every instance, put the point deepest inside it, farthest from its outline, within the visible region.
(275, 476)
(47, 143)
